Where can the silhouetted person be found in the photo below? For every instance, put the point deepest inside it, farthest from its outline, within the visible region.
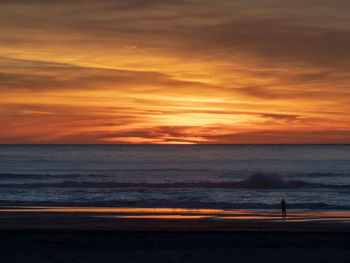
(283, 207)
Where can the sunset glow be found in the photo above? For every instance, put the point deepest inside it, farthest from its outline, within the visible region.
(174, 72)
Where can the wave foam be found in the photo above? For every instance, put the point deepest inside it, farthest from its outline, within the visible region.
(256, 181)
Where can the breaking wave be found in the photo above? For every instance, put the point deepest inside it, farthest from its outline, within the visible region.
(256, 181)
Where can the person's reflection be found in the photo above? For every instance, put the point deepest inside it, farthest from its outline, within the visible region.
(283, 208)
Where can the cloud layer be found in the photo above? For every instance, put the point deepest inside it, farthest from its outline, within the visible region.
(180, 71)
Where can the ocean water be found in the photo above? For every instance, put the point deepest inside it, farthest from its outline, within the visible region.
(309, 177)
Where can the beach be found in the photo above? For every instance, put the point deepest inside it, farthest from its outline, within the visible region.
(105, 236)
(144, 203)
(144, 246)
(169, 219)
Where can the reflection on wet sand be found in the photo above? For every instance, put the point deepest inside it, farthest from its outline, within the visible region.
(185, 213)
(163, 216)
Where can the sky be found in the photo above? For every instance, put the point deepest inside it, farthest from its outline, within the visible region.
(174, 71)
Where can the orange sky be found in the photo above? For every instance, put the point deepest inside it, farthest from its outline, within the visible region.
(179, 71)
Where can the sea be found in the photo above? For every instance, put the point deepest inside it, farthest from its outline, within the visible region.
(308, 177)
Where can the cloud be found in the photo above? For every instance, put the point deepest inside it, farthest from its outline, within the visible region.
(39, 76)
(174, 71)
(226, 28)
(286, 137)
(49, 123)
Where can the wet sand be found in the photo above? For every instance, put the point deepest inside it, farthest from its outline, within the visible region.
(170, 219)
(75, 235)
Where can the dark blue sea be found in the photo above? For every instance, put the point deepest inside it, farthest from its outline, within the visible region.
(309, 177)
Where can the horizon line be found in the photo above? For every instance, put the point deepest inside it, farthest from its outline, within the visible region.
(166, 144)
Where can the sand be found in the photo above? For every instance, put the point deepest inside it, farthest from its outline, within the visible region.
(90, 236)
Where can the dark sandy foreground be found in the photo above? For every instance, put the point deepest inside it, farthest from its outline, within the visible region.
(88, 237)
(111, 246)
